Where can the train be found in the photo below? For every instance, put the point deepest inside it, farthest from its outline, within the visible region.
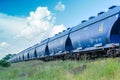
(98, 36)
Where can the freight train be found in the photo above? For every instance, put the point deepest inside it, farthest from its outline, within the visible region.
(98, 36)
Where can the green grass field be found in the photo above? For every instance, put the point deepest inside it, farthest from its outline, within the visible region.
(101, 69)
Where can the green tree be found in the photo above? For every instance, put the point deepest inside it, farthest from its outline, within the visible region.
(4, 63)
(7, 57)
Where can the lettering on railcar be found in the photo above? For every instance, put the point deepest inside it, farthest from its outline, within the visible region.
(101, 27)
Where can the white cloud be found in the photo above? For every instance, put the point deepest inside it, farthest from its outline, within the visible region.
(60, 6)
(57, 29)
(3, 45)
(40, 24)
(22, 32)
(11, 24)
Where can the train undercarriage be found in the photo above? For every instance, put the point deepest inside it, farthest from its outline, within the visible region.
(88, 55)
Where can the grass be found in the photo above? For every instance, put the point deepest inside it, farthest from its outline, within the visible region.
(102, 69)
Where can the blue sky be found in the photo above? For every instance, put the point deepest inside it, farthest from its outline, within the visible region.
(26, 22)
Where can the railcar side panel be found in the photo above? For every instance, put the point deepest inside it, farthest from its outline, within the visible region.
(93, 34)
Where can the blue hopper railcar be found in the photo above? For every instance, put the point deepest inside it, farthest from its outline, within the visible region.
(97, 36)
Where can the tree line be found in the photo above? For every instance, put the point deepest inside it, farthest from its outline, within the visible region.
(4, 61)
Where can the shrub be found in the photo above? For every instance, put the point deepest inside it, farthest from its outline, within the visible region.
(4, 63)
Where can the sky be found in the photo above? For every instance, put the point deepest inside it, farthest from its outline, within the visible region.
(24, 23)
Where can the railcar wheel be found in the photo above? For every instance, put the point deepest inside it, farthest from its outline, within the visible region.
(118, 52)
(111, 53)
(77, 56)
(63, 57)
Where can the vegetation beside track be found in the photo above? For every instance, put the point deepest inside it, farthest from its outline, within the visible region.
(100, 69)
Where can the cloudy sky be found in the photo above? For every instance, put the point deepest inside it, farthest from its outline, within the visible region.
(24, 23)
